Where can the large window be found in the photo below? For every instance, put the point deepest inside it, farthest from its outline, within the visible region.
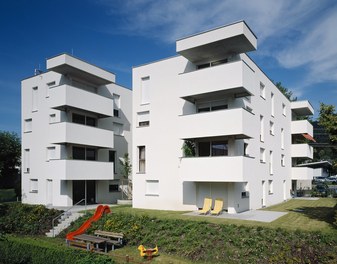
(141, 159)
(82, 153)
(211, 106)
(83, 120)
(213, 148)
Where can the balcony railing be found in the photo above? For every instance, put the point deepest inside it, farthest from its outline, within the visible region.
(301, 127)
(302, 151)
(216, 169)
(302, 173)
(65, 132)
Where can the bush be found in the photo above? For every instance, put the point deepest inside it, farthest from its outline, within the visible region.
(17, 218)
(38, 251)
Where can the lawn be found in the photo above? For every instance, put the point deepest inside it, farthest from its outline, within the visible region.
(308, 215)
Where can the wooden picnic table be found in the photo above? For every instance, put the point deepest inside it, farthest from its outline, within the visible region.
(96, 241)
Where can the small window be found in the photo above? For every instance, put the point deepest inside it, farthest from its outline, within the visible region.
(282, 138)
(282, 160)
(51, 153)
(34, 99)
(262, 155)
(271, 168)
(203, 66)
(245, 149)
(28, 125)
(143, 118)
(219, 107)
(113, 188)
(261, 128)
(49, 85)
(152, 188)
(112, 158)
(284, 110)
(118, 129)
(271, 187)
(271, 128)
(272, 104)
(262, 90)
(33, 186)
(145, 90)
(26, 161)
(141, 159)
(52, 118)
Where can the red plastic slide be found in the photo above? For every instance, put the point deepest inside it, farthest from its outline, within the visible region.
(100, 210)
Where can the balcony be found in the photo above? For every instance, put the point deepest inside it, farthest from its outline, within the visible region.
(234, 77)
(65, 132)
(302, 173)
(302, 108)
(66, 95)
(216, 169)
(234, 122)
(302, 151)
(301, 127)
(81, 170)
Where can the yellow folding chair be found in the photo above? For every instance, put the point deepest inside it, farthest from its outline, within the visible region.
(218, 206)
(207, 206)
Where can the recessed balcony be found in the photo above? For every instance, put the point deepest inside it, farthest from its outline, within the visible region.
(69, 96)
(302, 173)
(301, 127)
(226, 79)
(233, 122)
(302, 151)
(216, 169)
(81, 170)
(65, 132)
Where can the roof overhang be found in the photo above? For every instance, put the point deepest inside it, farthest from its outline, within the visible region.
(218, 43)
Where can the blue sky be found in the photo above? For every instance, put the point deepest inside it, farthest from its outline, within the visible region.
(297, 40)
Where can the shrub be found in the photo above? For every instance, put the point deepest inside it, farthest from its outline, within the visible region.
(17, 218)
(38, 251)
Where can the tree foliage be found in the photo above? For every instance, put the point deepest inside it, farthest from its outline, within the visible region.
(188, 148)
(328, 119)
(126, 166)
(287, 93)
(10, 160)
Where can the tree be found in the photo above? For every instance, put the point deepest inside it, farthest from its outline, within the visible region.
(188, 148)
(328, 119)
(126, 172)
(10, 161)
(287, 93)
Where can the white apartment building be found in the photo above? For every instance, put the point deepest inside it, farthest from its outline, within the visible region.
(246, 135)
(76, 123)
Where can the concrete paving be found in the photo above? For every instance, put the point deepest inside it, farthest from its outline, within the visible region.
(253, 215)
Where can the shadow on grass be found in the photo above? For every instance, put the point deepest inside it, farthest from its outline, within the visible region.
(325, 214)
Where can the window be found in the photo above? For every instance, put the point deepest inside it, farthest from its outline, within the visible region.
(83, 120)
(90, 121)
(116, 104)
(90, 154)
(49, 85)
(282, 160)
(271, 169)
(28, 125)
(145, 90)
(113, 188)
(245, 149)
(270, 187)
(152, 188)
(262, 90)
(52, 118)
(271, 128)
(262, 155)
(204, 149)
(82, 153)
(272, 104)
(261, 128)
(212, 106)
(282, 138)
(143, 118)
(245, 192)
(118, 129)
(284, 110)
(51, 153)
(33, 186)
(34, 99)
(219, 148)
(112, 158)
(26, 161)
(141, 159)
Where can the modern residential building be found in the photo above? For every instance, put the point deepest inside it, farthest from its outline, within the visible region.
(76, 123)
(209, 123)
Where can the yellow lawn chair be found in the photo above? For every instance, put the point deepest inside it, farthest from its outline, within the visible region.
(207, 206)
(218, 206)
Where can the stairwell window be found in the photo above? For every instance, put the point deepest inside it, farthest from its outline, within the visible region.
(261, 128)
(26, 161)
(262, 90)
(282, 160)
(34, 99)
(282, 138)
(271, 168)
(284, 109)
(118, 129)
(143, 118)
(145, 90)
(28, 125)
(116, 104)
(271, 187)
(112, 158)
(141, 159)
(271, 128)
(272, 104)
(262, 155)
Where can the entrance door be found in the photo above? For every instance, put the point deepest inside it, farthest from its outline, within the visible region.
(49, 192)
(79, 191)
(263, 194)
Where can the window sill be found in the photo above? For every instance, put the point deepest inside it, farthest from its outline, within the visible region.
(264, 98)
(27, 132)
(144, 104)
(140, 172)
(142, 126)
(153, 195)
(270, 193)
(34, 111)
(263, 162)
(33, 192)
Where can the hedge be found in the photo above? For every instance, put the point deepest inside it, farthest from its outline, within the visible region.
(19, 250)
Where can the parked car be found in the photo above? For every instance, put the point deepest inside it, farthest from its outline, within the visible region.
(331, 180)
(319, 179)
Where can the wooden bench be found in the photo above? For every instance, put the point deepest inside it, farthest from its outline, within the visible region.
(113, 239)
(85, 245)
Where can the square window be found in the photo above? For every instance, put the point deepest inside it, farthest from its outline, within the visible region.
(113, 188)
(33, 186)
(152, 188)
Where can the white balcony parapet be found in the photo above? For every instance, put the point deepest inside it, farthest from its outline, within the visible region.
(301, 127)
(217, 43)
(233, 77)
(81, 170)
(233, 122)
(302, 173)
(65, 132)
(216, 169)
(66, 95)
(302, 108)
(66, 64)
(302, 151)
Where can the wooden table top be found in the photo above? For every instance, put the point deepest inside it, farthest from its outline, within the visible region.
(89, 238)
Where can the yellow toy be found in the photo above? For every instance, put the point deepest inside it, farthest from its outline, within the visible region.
(147, 252)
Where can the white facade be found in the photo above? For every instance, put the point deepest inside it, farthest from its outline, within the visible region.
(76, 123)
(242, 126)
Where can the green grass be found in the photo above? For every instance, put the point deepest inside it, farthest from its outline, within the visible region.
(7, 195)
(308, 215)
